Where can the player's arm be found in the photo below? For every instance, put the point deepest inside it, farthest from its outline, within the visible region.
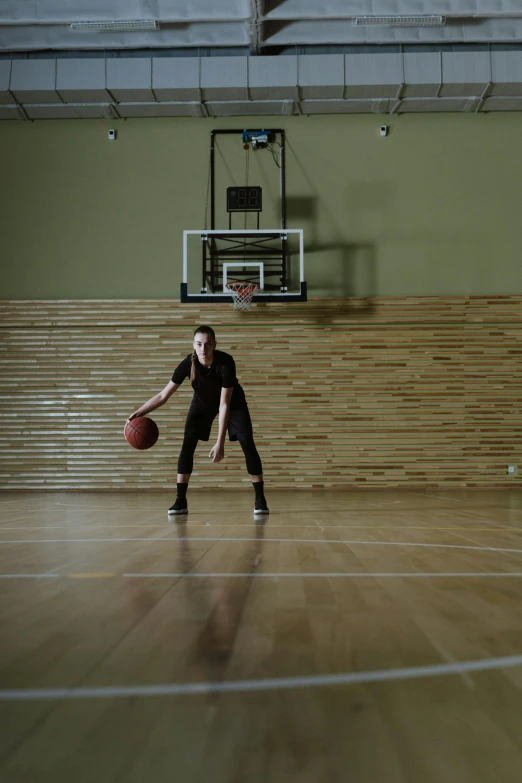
(155, 402)
(218, 452)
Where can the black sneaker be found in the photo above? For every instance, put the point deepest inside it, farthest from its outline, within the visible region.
(261, 506)
(179, 507)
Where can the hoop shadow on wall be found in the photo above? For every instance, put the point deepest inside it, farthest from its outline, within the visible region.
(271, 5)
(334, 268)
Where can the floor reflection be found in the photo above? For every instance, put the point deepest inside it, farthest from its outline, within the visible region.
(222, 601)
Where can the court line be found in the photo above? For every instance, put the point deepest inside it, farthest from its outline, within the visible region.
(433, 495)
(388, 503)
(72, 525)
(90, 575)
(29, 576)
(321, 525)
(267, 684)
(334, 575)
(264, 540)
(277, 575)
(447, 657)
(83, 505)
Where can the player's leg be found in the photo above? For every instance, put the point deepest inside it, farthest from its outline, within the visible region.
(185, 466)
(254, 467)
(240, 427)
(197, 427)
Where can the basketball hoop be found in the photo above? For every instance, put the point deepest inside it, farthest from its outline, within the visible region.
(242, 294)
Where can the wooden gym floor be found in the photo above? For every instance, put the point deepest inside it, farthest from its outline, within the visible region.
(363, 636)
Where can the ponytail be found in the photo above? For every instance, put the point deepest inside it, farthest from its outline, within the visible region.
(193, 368)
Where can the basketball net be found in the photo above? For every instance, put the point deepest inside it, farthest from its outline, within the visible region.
(242, 294)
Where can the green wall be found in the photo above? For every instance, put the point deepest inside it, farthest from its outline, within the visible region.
(433, 209)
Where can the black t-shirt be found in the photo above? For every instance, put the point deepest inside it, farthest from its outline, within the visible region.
(210, 380)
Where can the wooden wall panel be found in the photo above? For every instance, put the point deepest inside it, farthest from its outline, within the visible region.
(414, 392)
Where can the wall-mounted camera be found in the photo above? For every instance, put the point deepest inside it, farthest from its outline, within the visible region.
(384, 130)
(112, 134)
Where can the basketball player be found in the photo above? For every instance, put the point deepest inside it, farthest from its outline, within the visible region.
(212, 374)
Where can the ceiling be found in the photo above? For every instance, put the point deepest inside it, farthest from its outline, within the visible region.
(211, 58)
(255, 27)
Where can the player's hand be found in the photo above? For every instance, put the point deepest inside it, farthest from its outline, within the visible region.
(217, 453)
(131, 417)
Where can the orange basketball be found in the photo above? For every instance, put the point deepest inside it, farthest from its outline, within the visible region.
(142, 433)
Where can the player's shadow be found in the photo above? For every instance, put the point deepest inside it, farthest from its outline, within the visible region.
(220, 600)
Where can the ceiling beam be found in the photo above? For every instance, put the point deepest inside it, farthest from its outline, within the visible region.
(255, 22)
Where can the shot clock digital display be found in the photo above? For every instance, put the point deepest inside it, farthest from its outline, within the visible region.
(247, 199)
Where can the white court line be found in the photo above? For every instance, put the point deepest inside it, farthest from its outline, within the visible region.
(264, 540)
(70, 525)
(320, 525)
(48, 527)
(298, 575)
(82, 505)
(334, 575)
(268, 684)
(432, 495)
(447, 657)
(81, 525)
(29, 576)
(106, 540)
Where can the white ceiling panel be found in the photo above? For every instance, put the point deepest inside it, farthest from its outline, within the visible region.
(167, 109)
(430, 105)
(462, 75)
(503, 104)
(368, 76)
(226, 86)
(34, 81)
(130, 79)
(321, 76)
(12, 112)
(28, 25)
(314, 58)
(249, 108)
(5, 78)
(272, 78)
(70, 111)
(29, 37)
(176, 79)
(343, 9)
(23, 11)
(224, 78)
(81, 81)
(506, 73)
(422, 75)
(345, 107)
(344, 32)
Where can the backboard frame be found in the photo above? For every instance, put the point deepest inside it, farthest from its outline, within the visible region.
(230, 264)
(206, 296)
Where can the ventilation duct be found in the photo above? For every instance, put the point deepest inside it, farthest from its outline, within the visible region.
(242, 86)
(399, 21)
(116, 27)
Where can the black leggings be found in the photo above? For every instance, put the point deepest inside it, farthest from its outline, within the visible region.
(253, 461)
